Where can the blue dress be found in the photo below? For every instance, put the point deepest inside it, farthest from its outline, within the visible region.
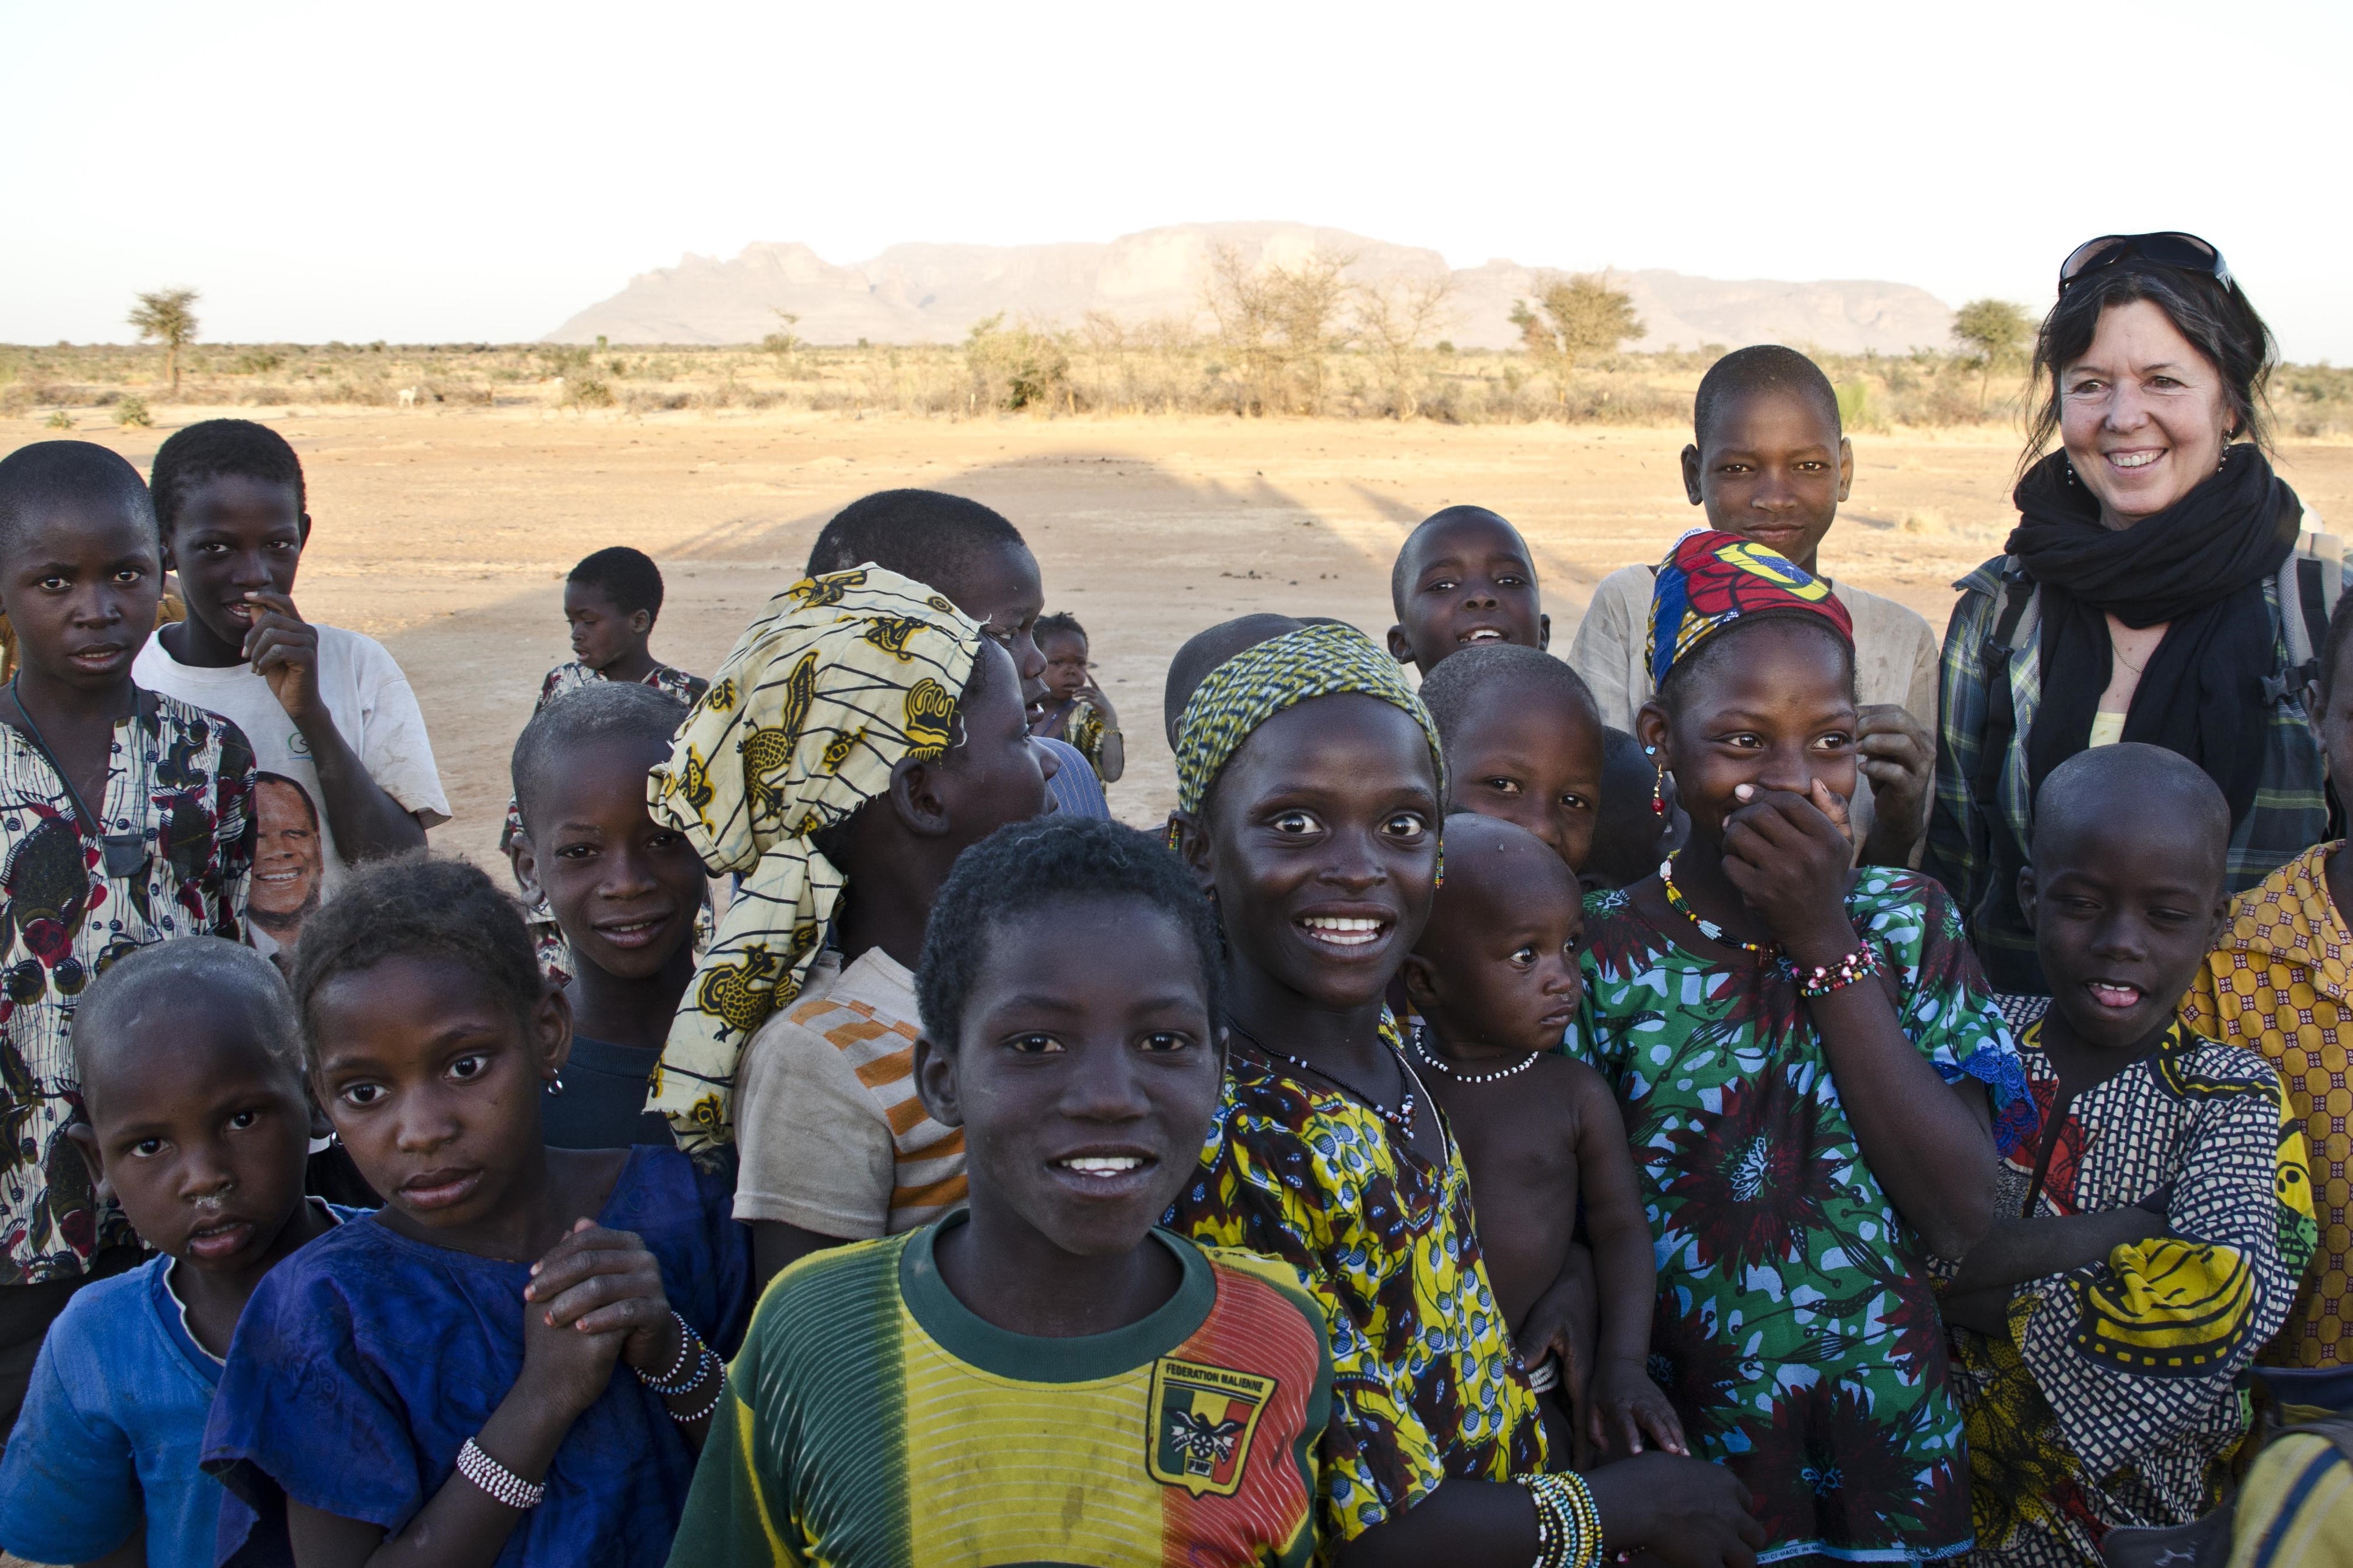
(364, 1361)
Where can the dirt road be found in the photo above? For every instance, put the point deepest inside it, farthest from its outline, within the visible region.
(447, 534)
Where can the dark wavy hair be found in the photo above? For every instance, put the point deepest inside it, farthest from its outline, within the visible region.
(2217, 317)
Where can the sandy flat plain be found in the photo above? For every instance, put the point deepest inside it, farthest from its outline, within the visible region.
(447, 534)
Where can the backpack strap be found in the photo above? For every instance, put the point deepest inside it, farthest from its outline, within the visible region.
(2311, 581)
(2020, 613)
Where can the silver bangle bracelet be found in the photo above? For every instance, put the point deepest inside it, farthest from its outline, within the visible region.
(503, 1485)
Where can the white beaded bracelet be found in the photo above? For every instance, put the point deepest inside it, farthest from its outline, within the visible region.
(503, 1484)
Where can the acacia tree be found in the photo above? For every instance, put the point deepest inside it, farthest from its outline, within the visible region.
(1992, 334)
(1394, 316)
(1280, 323)
(167, 316)
(1575, 317)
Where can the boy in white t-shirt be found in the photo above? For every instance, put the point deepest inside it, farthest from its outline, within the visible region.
(334, 726)
(1769, 462)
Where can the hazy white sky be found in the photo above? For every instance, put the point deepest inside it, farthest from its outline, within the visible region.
(432, 171)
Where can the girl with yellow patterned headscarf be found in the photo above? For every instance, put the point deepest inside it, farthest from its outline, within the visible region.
(838, 680)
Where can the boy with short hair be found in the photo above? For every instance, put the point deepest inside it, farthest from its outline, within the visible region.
(2102, 1338)
(128, 823)
(1042, 1376)
(191, 1069)
(1463, 578)
(326, 709)
(1494, 980)
(624, 891)
(980, 562)
(1769, 461)
(1523, 742)
(1640, 821)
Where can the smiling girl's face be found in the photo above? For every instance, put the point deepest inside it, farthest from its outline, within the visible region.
(432, 1081)
(1777, 712)
(1321, 845)
(2143, 414)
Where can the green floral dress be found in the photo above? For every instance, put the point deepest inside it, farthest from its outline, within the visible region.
(1796, 1331)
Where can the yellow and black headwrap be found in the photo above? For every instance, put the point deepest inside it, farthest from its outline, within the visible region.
(1321, 660)
(839, 678)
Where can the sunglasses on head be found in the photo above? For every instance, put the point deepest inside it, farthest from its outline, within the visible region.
(2185, 251)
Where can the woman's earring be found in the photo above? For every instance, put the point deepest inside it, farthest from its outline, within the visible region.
(1658, 794)
(2069, 465)
(555, 1083)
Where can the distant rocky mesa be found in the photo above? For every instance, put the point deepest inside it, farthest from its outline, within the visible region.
(934, 293)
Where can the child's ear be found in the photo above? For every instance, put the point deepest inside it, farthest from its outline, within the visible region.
(526, 867)
(2026, 895)
(936, 1082)
(641, 622)
(1192, 845)
(551, 1030)
(1691, 474)
(1401, 647)
(1650, 729)
(1846, 467)
(916, 797)
(1543, 632)
(85, 1137)
(1420, 979)
(305, 535)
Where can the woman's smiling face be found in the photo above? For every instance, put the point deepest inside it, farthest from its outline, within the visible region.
(1321, 845)
(2143, 414)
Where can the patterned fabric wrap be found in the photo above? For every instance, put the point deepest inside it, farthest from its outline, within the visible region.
(2115, 1398)
(179, 796)
(1710, 580)
(1426, 1382)
(837, 680)
(1236, 698)
(2281, 983)
(1796, 1328)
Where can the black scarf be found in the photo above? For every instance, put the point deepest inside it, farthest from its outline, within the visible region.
(2200, 565)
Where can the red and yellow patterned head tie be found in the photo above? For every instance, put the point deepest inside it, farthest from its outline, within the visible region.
(1710, 580)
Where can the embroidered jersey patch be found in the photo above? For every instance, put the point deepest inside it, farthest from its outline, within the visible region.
(1202, 1419)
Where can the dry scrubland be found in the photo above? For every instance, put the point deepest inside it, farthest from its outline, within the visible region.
(1100, 368)
(445, 529)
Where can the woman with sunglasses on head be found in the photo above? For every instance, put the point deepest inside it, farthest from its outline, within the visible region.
(2160, 585)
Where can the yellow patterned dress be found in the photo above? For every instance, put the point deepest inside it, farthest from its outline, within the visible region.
(2116, 1398)
(1426, 1382)
(2281, 981)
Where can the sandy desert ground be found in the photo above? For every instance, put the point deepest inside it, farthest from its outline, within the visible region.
(447, 534)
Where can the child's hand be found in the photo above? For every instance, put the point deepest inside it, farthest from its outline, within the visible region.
(284, 650)
(1625, 1405)
(597, 1288)
(1898, 755)
(1789, 856)
(1092, 694)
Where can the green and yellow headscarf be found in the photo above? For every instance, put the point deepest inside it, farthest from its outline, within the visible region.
(837, 680)
(1321, 660)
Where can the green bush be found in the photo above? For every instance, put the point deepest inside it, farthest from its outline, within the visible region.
(132, 411)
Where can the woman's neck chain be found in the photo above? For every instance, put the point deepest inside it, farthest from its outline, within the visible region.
(1430, 1060)
(1401, 1118)
(1707, 927)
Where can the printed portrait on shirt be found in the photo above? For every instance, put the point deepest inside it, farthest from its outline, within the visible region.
(289, 860)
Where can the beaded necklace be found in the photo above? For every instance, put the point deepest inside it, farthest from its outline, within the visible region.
(1421, 1050)
(1401, 1118)
(1707, 927)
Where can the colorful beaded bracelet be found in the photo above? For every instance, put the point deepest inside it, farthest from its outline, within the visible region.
(1824, 978)
(1568, 1527)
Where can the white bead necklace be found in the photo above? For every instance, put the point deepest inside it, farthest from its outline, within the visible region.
(1420, 1032)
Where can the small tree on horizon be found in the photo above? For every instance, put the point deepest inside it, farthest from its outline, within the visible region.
(1575, 317)
(1993, 333)
(1393, 316)
(167, 316)
(783, 342)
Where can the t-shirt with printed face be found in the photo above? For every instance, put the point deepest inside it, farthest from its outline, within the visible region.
(296, 863)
